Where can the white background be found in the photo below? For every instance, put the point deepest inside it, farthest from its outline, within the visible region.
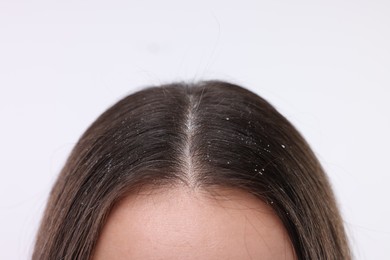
(323, 64)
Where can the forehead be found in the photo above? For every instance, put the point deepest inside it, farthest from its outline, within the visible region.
(180, 223)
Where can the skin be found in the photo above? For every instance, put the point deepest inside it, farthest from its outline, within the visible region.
(181, 223)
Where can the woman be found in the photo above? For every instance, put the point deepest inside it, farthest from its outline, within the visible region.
(205, 170)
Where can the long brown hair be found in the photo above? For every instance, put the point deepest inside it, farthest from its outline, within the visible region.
(203, 134)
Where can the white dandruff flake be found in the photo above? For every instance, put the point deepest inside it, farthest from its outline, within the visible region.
(283, 146)
(227, 118)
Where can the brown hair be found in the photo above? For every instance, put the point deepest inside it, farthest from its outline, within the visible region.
(204, 134)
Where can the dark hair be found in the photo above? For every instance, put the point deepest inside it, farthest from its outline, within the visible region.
(207, 134)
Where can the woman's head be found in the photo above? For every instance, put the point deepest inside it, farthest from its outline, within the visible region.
(197, 144)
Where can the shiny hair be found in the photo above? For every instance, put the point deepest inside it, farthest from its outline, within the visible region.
(206, 134)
